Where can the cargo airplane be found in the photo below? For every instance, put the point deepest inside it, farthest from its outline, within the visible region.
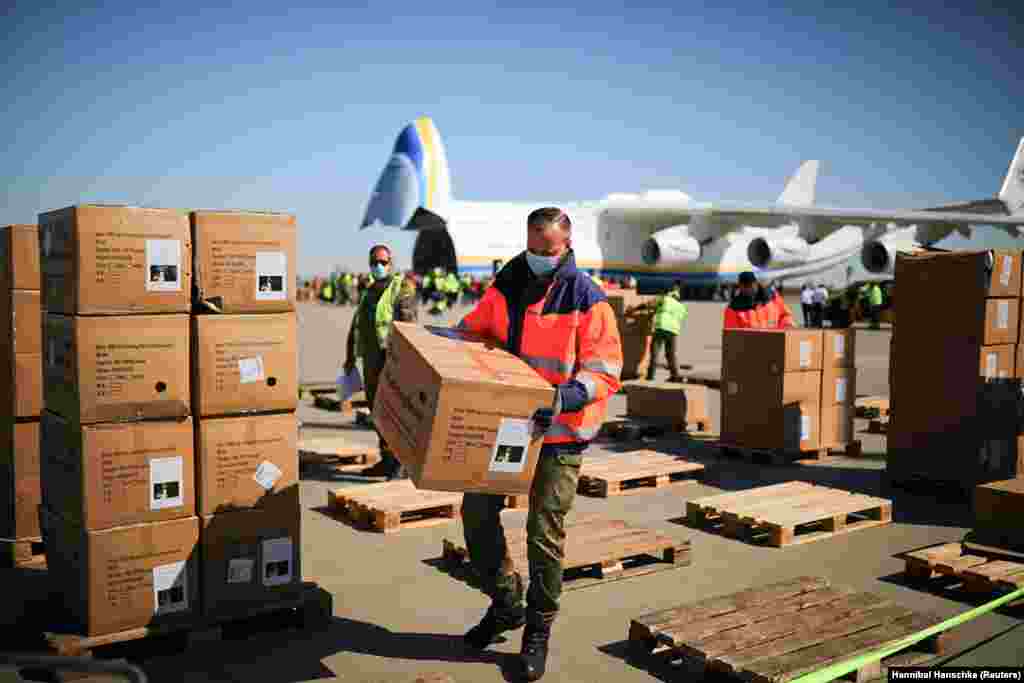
(662, 236)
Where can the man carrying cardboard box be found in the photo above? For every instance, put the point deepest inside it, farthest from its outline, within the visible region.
(389, 297)
(555, 318)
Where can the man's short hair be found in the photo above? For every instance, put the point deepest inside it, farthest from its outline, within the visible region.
(549, 215)
(379, 246)
(747, 278)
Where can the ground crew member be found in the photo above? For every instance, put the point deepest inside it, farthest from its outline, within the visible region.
(550, 314)
(327, 292)
(875, 304)
(774, 312)
(743, 311)
(389, 297)
(669, 314)
(820, 299)
(807, 304)
(452, 286)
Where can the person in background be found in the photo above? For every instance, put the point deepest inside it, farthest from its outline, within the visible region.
(820, 299)
(388, 297)
(775, 312)
(543, 309)
(807, 304)
(742, 311)
(875, 304)
(669, 314)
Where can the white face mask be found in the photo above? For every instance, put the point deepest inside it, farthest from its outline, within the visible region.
(541, 265)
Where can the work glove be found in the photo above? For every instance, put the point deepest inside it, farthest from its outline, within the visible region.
(543, 418)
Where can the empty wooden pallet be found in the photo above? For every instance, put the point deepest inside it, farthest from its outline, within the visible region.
(778, 632)
(338, 453)
(394, 505)
(21, 552)
(780, 456)
(790, 513)
(868, 407)
(977, 573)
(635, 472)
(596, 550)
(635, 429)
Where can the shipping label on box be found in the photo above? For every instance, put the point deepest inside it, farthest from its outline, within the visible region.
(245, 261)
(245, 363)
(107, 475)
(114, 260)
(107, 368)
(245, 462)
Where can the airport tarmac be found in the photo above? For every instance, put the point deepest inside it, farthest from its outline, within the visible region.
(396, 616)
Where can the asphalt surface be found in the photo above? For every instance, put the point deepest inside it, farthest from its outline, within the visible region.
(397, 616)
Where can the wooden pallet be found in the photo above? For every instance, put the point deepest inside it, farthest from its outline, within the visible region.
(336, 452)
(869, 407)
(597, 550)
(312, 606)
(636, 472)
(978, 573)
(777, 456)
(788, 514)
(631, 429)
(778, 632)
(21, 552)
(392, 506)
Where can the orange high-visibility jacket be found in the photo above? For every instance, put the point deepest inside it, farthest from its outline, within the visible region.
(743, 313)
(783, 318)
(564, 328)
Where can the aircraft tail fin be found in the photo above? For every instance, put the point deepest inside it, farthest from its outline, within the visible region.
(415, 182)
(1012, 192)
(800, 188)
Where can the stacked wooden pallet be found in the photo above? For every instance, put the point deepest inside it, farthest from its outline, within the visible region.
(977, 572)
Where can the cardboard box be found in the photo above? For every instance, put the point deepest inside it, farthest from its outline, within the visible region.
(115, 474)
(23, 396)
(126, 577)
(998, 511)
(838, 349)
(1002, 321)
(836, 424)
(838, 386)
(19, 257)
(252, 557)
(245, 261)
(245, 462)
(21, 390)
(456, 411)
(685, 403)
(772, 411)
(1004, 278)
(624, 299)
(108, 368)
(19, 479)
(244, 363)
(997, 362)
(113, 260)
(771, 351)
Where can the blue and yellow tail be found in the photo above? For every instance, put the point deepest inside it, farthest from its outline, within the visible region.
(416, 177)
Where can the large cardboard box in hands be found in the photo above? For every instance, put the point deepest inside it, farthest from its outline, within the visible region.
(456, 409)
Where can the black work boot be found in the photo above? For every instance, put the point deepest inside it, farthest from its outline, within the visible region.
(534, 651)
(496, 621)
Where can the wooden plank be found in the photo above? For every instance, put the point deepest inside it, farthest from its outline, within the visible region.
(790, 666)
(953, 566)
(763, 509)
(853, 504)
(732, 498)
(717, 606)
(996, 569)
(935, 553)
(21, 552)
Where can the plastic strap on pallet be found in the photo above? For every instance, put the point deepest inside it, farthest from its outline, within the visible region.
(834, 671)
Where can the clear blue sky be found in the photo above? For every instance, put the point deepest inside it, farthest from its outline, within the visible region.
(296, 108)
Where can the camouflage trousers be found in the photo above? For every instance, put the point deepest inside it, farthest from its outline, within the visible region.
(551, 498)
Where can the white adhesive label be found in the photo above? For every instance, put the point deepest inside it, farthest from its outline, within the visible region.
(840, 389)
(163, 265)
(1003, 315)
(511, 446)
(271, 275)
(805, 354)
(277, 561)
(991, 365)
(166, 483)
(805, 427)
(1004, 277)
(240, 570)
(839, 345)
(170, 588)
(267, 475)
(250, 370)
(733, 388)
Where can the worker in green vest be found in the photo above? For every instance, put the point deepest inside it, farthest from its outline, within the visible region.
(389, 297)
(669, 314)
(327, 292)
(875, 304)
(452, 287)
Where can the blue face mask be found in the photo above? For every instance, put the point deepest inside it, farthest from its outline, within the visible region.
(541, 265)
(378, 271)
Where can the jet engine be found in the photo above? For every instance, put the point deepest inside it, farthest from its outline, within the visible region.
(879, 256)
(672, 246)
(777, 251)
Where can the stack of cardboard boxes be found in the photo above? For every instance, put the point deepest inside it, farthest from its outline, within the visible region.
(118, 516)
(158, 506)
(790, 390)
(244, 397)
(635, 319)
(21, 344)
(955, 369)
